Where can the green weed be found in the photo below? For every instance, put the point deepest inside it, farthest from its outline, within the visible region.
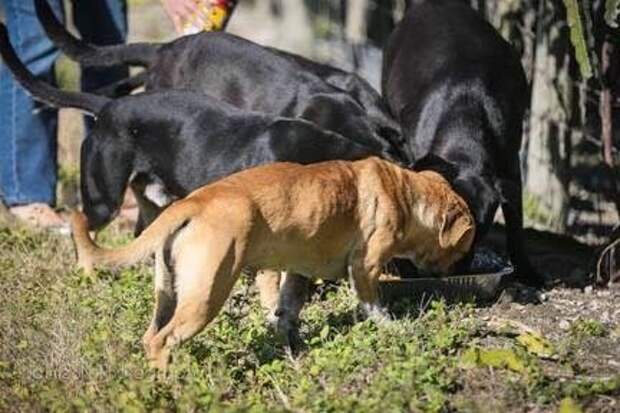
(73, 342)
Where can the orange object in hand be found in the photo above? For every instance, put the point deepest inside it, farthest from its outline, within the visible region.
(213, 16)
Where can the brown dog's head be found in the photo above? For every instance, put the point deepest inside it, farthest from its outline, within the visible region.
(456, 236)
(446, 227)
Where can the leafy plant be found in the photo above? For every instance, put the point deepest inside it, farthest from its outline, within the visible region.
(588, 328)
(575, 16)
(72, 343)
(612, 11)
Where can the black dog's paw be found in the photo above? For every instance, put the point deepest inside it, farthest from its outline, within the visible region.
(522, 294)
(290, 338)
(286, 330)
(293, 344)
(526, 274)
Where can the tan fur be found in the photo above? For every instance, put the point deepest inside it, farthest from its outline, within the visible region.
(328, 219)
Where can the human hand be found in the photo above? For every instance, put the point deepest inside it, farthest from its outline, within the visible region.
(182, 11)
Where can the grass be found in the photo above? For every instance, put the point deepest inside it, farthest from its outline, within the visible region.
(67, 74)
(588, 328)
(533, 210)
(71, 342)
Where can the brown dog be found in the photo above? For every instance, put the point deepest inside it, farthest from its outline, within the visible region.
(327, 219)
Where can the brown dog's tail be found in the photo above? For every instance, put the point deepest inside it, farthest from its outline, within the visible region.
(141, 54)
(90, 254)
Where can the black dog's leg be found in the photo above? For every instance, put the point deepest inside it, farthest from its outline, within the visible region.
(512, 208)
(293, 295)
(124, 86)
(140, 224)
(147, 210)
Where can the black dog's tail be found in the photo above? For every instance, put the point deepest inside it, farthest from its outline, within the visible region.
(139, 54)
(43, 91)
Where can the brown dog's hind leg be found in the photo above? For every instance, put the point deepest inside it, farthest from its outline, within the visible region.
(165, 298)
(207, 265)
(188, 320)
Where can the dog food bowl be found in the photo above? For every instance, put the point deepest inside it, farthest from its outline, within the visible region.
(486, 278)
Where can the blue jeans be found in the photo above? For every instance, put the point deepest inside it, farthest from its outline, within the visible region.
(28, 141)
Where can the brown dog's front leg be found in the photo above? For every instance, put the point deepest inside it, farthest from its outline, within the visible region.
(365, 282)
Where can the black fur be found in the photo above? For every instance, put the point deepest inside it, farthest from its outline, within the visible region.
(44, 92)
(90, 55)
(184, 140)
(179, 140)
(459, 92)
(246, 75)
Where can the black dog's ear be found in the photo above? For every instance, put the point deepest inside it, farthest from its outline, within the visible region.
(435, 163)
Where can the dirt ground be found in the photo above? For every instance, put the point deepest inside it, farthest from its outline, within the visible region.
(573, 308)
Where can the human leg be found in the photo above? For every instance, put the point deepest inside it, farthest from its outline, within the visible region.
(28, 133)
(103, 23)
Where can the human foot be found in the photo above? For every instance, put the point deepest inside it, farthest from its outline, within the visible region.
(40, 215)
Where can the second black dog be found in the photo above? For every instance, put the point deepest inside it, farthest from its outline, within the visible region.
(459, 92)
(244, 74)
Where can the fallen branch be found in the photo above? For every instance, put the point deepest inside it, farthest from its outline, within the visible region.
(609, 249)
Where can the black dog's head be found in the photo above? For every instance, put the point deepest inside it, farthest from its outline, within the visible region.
(106, 163)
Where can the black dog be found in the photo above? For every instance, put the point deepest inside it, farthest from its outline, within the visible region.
(459, 92)
(171, 142)
(243, 74)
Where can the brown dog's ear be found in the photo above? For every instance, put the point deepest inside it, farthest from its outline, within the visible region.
(455, 226)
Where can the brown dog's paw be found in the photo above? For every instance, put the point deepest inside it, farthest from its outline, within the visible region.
(148, 337)
(376, 313)
(157, 353)
(159, 360)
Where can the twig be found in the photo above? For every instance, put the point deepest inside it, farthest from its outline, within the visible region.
(602, 255)
(498, 323)
(280, 393)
